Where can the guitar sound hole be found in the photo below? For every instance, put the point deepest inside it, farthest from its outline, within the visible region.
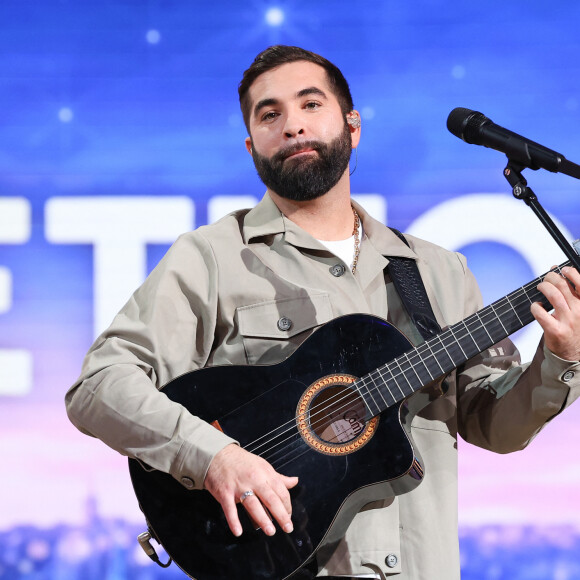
(337, 415)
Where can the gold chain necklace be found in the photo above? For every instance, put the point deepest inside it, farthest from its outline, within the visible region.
(355, 233)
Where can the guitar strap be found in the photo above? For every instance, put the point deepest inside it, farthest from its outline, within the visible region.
(409, 285)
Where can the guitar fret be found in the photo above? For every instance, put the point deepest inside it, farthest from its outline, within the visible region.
(393, 379)
(412, 370)
(526, 301)
(445, 367)
(514, 319)
(536, 296)
(456, 354)
(389, 399)
(499, 319)
(525, 289)
(398, 397)
(402, 372)
(357, 385)
(407, 369)
(484, 327)
(496, 330)
(370, 396)
(451, 359)
(507, 314)
(433, 356)
(417, 368)
(470, 335)
(433, 367)
(468, 343)
(425, 360)
(490, 329)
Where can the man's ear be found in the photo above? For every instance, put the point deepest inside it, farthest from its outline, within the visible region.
(249, 144)
(354, 122)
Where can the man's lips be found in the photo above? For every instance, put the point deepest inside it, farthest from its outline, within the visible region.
(304, 151)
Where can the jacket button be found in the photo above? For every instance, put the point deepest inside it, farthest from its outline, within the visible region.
(187, 482)
(284, 324)
(568, 376)
(337, 270)
(391, 560)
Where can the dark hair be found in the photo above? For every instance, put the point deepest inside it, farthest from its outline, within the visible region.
(278, 55)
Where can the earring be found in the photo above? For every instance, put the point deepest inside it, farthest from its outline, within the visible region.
(353, 120)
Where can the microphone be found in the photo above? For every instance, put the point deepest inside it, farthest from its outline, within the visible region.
(475, 128)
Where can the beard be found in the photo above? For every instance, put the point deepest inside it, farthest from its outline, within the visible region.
(308, 177)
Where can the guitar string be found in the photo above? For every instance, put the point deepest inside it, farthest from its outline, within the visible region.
(282, 446)
(440, 338)
(428, 346)
(292, 456)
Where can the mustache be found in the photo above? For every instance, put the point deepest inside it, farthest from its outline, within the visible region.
(295, 148)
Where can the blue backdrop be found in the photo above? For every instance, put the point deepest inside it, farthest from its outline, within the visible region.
(121, 129)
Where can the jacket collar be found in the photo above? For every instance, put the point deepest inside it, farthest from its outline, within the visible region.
(265, 219)
(384, 241)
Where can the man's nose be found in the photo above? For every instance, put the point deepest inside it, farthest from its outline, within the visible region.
(293, 126)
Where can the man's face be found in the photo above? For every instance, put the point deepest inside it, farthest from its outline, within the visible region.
(299, 141)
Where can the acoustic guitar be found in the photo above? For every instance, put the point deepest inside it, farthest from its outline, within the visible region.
(337, 413)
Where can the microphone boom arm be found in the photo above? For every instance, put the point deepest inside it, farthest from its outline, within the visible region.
(520, 190)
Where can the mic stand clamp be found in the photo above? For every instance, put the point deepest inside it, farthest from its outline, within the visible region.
(520, 190)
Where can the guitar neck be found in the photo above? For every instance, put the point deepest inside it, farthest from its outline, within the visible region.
(433, 359)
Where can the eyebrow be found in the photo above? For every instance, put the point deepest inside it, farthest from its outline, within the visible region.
(302, 93)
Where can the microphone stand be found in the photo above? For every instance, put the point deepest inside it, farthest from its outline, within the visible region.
(520, 190)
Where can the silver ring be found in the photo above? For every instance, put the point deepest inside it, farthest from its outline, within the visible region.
(246, 495)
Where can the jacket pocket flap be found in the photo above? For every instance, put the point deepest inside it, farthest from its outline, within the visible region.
(284, 318)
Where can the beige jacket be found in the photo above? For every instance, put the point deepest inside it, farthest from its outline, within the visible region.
(216, 298)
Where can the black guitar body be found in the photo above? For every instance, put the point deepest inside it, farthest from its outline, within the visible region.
(271, 411)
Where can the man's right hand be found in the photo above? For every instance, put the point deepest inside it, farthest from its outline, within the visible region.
(233, 472)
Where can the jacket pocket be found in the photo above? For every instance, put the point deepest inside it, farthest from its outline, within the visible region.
(272, 330)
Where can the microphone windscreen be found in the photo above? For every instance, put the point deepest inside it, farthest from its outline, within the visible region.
(465, 124)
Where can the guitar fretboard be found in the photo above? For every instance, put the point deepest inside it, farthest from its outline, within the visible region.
(405, 375)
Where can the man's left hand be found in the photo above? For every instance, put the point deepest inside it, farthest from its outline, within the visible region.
(562, 326)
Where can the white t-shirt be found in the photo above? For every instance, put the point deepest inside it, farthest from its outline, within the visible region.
(344, 249)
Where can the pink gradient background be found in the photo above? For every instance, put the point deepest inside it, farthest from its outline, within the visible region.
(50, 470)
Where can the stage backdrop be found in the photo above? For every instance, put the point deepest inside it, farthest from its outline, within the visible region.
(121, 129)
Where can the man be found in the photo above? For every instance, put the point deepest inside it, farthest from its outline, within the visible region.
(252, 287)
